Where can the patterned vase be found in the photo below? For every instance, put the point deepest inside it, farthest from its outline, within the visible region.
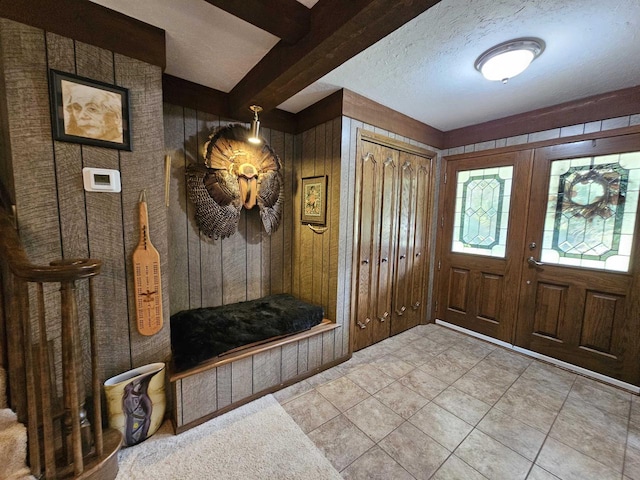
(136, 402)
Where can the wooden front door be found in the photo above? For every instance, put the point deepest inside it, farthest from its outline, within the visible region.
(483, 224)
(579, 296)
(562, 278)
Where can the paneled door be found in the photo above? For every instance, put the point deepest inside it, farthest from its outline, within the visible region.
(410, 276)
(375, 207)
(540, 250)
(580, 288)
(391, 237)
(483, 226)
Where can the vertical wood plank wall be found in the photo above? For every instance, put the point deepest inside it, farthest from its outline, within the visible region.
(207, 272)
(57, 218)
(250, 264)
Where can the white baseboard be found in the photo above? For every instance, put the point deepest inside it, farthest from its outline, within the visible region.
(568, 366)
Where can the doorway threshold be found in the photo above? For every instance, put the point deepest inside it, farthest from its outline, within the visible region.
(559, 363)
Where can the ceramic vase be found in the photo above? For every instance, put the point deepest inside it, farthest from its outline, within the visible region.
(136, 402)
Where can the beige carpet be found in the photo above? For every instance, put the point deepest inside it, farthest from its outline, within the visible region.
(256, 441)
(13, 440)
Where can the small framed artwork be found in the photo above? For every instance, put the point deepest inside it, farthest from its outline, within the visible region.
(314, 200)
(89, 112)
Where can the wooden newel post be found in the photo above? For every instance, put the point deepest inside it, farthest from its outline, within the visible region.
(65, 441)
(73, 385)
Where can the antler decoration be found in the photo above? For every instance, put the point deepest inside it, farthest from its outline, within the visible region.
(235, 174)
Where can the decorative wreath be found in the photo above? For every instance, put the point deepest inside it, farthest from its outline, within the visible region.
(235, 174)
(592, 193)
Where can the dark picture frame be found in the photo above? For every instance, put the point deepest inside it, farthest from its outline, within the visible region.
(314, 200)
(89, 112)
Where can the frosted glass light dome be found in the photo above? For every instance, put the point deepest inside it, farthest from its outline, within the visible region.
(509, 59)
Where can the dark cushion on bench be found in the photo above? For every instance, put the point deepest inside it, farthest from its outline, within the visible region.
(204, 333)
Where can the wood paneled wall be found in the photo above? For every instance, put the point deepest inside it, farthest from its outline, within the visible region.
(250, 264)
(209, 272)
(317, 257)
(206, 272)
(57, 218)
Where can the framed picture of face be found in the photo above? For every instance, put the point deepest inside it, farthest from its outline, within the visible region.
(89, 112)
(314, 200)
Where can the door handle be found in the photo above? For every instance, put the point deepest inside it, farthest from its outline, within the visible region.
(402, 257)
(533, 262)
(365, 262)
(384, 260)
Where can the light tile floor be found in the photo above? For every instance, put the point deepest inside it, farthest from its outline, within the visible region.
(433, 403)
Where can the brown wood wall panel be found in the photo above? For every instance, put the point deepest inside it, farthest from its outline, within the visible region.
(288, 220)
(550, 309)
(315, 352)
(177, 395)
(241, 379)
(267, 369)
(600, 312)
(323, 242)
(177, 221)
(276, 245)
(265, 242)
(191, 153)
(458, 290)
(305, 252)
(223, 384)
(289, 361)
(143, 169)
(333, 214)
(60, 219)
(347, 207)
(328, 347)
(210, 249)
(303, 356)
(71, 198)
(199, 395)
(250, 263)
(490, 296)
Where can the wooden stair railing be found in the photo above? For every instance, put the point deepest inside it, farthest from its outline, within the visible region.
(62, 442)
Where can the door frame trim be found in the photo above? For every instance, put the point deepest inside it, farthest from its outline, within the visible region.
(538, 356)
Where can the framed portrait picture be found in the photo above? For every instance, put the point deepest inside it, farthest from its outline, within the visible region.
(90, 112)
(314, 200)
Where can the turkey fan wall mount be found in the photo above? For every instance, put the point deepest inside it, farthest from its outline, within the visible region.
(235, 174)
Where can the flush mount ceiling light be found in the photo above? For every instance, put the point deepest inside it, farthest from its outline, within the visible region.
(509, 59)
(254, 136)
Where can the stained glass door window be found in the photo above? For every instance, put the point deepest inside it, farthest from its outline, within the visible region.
(482, 211)
(591, 212)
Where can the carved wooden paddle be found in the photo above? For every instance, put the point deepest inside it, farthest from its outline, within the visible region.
(146, 278)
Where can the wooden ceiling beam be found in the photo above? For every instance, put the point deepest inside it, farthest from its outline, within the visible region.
(93, 24)
(339, 30)
(286, 19)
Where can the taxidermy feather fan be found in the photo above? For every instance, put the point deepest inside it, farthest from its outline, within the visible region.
(235, 174)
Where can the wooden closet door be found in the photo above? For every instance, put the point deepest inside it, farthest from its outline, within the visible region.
(381, 328)
(392, 213)
(376, 194)
(420, 267)
(413, 204)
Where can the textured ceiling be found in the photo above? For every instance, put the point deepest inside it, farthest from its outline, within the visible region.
(425, 68)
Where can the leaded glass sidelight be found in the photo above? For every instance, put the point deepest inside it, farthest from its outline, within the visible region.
(591, 212)
(482, 211)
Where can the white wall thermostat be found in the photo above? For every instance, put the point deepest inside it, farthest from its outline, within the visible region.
(101, 180)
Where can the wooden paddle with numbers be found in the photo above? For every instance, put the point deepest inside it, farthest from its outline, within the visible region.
(146, 278)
